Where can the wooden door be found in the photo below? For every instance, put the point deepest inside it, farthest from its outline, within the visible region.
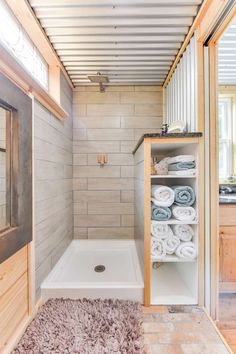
(227, 258)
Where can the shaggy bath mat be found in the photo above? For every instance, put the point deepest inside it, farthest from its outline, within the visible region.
(84, 327)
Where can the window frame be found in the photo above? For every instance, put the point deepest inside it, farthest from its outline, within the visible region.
(231, 98)
(11, 68)
(20, 231)
(25, 41)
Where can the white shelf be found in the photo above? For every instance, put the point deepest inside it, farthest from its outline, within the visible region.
(172, 258)
(176, 222)
(171, 176)
(170, 286)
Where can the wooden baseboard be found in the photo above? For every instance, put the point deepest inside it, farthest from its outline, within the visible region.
(227, 287)
(21, 329)
(218, 331)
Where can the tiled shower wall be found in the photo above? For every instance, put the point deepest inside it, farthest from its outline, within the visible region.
(109, 123)
(52, 185)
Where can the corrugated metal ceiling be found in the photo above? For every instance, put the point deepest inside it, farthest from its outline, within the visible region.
(227, 57)
(131, 41)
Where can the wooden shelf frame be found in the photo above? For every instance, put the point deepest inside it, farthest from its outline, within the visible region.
(146, 150)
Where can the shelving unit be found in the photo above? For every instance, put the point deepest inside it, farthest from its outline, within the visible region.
(175, 281)
(177, 222)
(171, 258)
(171, 176)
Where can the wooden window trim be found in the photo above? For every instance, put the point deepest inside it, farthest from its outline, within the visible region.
(15, 72)
(10, 67)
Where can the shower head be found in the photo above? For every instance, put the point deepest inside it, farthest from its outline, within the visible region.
(99, 79)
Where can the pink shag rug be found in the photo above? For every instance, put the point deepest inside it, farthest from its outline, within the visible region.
(84, 327)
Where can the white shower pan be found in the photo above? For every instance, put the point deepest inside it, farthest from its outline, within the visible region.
(75, 276)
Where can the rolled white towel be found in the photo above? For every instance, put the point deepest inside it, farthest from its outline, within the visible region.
(183, 232)
(162, 195)
(171, 243)
(160, 231)
(181, 158)
(186, 250)
(183, 213)
(157, 248)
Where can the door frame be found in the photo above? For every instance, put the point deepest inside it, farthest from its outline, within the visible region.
(213, 158)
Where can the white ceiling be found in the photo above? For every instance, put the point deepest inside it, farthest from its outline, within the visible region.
(227, 57)
(131, 41)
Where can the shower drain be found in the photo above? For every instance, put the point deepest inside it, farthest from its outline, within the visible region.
(99, 268)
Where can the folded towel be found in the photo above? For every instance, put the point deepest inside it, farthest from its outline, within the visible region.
(183, 213)
(191, 172)
(171, 243)
(184, 195)
(160, 213)
(181, 158)
(160, 231)
(161, 167)
(178, 166)
(183, 232)
(157, 248)
(164, 196)
(186, 250)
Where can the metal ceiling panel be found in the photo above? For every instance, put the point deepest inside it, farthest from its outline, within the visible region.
(131, 41)
(69, 3)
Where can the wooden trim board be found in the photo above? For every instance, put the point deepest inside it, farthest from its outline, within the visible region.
(203, 22)
(147, 218)
(15, 72)
(25, 15)
(214, 175)
(12, 343)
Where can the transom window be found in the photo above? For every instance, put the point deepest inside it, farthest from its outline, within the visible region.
(14, 38)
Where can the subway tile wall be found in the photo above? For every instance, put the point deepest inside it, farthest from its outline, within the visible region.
(109, 123)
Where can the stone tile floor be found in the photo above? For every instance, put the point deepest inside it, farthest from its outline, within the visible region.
(180, 330)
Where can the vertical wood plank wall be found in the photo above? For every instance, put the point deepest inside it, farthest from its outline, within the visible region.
(53, 185)
(181, 91)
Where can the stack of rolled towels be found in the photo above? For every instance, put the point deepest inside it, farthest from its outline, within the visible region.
(174, 239)
(182, 165)
(176, 202)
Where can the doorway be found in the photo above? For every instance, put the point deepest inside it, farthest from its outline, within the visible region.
(222, 127)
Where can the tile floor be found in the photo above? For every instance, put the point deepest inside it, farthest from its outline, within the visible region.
(227, 318)
(180, 330)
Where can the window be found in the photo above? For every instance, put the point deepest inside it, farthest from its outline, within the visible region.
(226, 138)
(17, 42)
(5, 168)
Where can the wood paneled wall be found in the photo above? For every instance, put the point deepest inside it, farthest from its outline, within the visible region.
(109, 123)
